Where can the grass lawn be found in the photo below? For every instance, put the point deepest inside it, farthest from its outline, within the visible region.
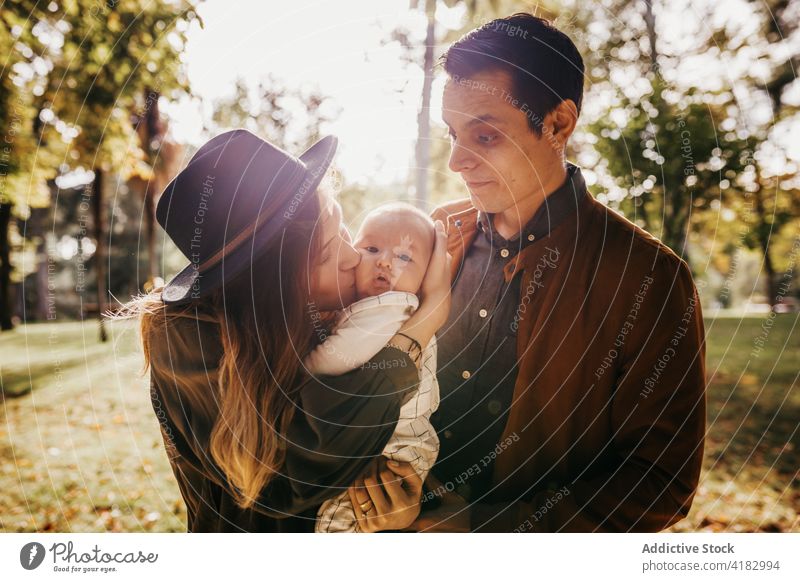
(752, 456)
(81, 450)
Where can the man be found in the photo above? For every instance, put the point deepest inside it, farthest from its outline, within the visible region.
(571, 367)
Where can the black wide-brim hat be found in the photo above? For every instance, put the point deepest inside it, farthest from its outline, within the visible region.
(214, 209)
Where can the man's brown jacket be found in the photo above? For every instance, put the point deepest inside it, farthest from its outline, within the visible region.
(607, 420)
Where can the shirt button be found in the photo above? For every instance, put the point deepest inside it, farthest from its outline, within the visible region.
(504, 253)
(465, 374)
(483, 313)
(531, 237)
(447, 434)
(494, 406)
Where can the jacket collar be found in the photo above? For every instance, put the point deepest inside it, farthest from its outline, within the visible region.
(557, 206)
(463, 226)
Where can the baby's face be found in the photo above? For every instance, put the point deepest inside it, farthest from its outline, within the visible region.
(395, 247)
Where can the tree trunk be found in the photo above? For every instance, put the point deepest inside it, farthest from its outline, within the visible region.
(153, 137)
(641, 210)
(100, 249)
(5, 269)
(44, 304)
(150, 228)
(677, 221)
(650, 21)
(763, 234)
(424, 117)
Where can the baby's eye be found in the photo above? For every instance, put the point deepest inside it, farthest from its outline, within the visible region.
(404, 257)
(371, 249)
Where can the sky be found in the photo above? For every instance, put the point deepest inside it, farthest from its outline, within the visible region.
(340, 48)
(344, 50)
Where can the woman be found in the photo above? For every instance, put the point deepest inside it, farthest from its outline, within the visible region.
(254, 442)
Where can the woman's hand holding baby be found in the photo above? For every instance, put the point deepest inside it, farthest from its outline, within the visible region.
(436, 285)
(435, 293)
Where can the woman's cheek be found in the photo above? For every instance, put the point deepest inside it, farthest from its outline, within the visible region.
(363, 268)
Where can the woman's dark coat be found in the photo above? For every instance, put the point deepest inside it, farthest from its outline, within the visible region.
(340, 424)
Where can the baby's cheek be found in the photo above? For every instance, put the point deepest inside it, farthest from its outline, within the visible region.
(410, 280)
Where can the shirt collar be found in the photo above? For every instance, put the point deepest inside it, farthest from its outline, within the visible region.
(557, 206)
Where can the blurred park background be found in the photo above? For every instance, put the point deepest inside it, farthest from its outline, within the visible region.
(689, 128)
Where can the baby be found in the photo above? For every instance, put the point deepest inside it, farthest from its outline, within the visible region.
(396, 242)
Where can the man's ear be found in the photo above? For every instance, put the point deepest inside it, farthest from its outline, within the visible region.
(564, 119)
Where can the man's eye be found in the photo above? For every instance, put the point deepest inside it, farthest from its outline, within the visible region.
(485, 139)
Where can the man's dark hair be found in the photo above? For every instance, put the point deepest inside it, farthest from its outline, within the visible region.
(545, 65)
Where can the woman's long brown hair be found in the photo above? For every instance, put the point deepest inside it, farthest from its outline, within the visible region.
(260, 368)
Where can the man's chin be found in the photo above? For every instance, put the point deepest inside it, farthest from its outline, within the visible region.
(481, 205)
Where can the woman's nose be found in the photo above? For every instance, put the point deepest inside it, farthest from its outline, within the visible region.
(461, 159)
(350, 257)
